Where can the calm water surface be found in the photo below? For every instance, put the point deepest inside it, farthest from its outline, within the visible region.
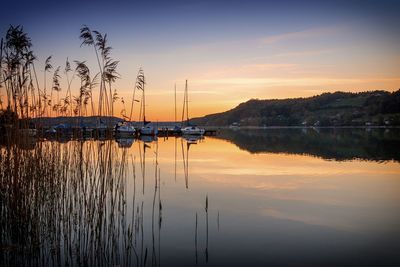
(243, 198)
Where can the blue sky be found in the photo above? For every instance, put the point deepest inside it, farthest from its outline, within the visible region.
(229, 50)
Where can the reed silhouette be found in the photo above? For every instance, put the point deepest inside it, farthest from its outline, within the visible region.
(28, 97)
(64, 200)
(66, 204)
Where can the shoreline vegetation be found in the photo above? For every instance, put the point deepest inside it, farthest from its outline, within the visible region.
(330, 143)
(339, 109)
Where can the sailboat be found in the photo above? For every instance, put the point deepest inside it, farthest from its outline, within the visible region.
(125, 129)
(189, 129)
(146, 129)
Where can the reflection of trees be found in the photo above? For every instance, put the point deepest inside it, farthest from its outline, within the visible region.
(327, 143)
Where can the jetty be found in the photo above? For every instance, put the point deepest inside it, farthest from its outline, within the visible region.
(165, 132)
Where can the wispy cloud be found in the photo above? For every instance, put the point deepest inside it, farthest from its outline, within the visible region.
(193, 91)
(270, 66)
(321, 31)
(308, 81)
(305, 53)
(247, 70)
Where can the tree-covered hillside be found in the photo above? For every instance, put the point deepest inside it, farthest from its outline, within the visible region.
(328, 109)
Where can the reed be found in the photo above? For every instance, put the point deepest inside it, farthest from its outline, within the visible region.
(16, 60)
(22, 94)
(46, 101)
(66, 204)
(107, 68)
(55, 87)
(206, 209)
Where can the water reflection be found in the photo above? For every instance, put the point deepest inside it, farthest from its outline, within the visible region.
(64, 204)
(327, 143)
(125, 142)
(133, 202)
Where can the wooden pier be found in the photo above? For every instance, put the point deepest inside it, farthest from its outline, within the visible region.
(110, 133)
(162, 132)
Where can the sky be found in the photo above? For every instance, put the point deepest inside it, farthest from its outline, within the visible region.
(229, 51)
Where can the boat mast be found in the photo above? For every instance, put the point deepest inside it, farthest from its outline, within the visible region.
(175, 103)
(144, 103)
(133, 101)
(183, 110)
(187, 104)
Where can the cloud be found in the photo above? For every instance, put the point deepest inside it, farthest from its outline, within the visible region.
(263, 67)
(321, 31)
(305, 53)
(192, 92)
(308, 81)
(248, 70)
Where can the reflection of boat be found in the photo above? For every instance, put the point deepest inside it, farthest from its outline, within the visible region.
(125, 129)
(192, 139)
(148, 138)
(189, 129)
(125, 142)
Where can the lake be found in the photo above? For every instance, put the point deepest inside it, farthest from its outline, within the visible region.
(261, 197)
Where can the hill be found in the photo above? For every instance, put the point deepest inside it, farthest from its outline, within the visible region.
(328, 109)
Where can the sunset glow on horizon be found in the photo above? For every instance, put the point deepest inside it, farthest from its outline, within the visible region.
(228, 51)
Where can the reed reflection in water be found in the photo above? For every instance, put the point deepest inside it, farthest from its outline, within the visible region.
(67, 204)
(245, 197)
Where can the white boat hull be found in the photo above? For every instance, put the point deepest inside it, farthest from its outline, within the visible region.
(126, 130)
(192, 131)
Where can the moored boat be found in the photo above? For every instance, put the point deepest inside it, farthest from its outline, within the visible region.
(148, 130)
(189, 129)
(192, 139)
(192, 130)
(125, 129)
(51, 131)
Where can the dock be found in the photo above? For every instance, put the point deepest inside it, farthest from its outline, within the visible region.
(110, 132)
(163, 132)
